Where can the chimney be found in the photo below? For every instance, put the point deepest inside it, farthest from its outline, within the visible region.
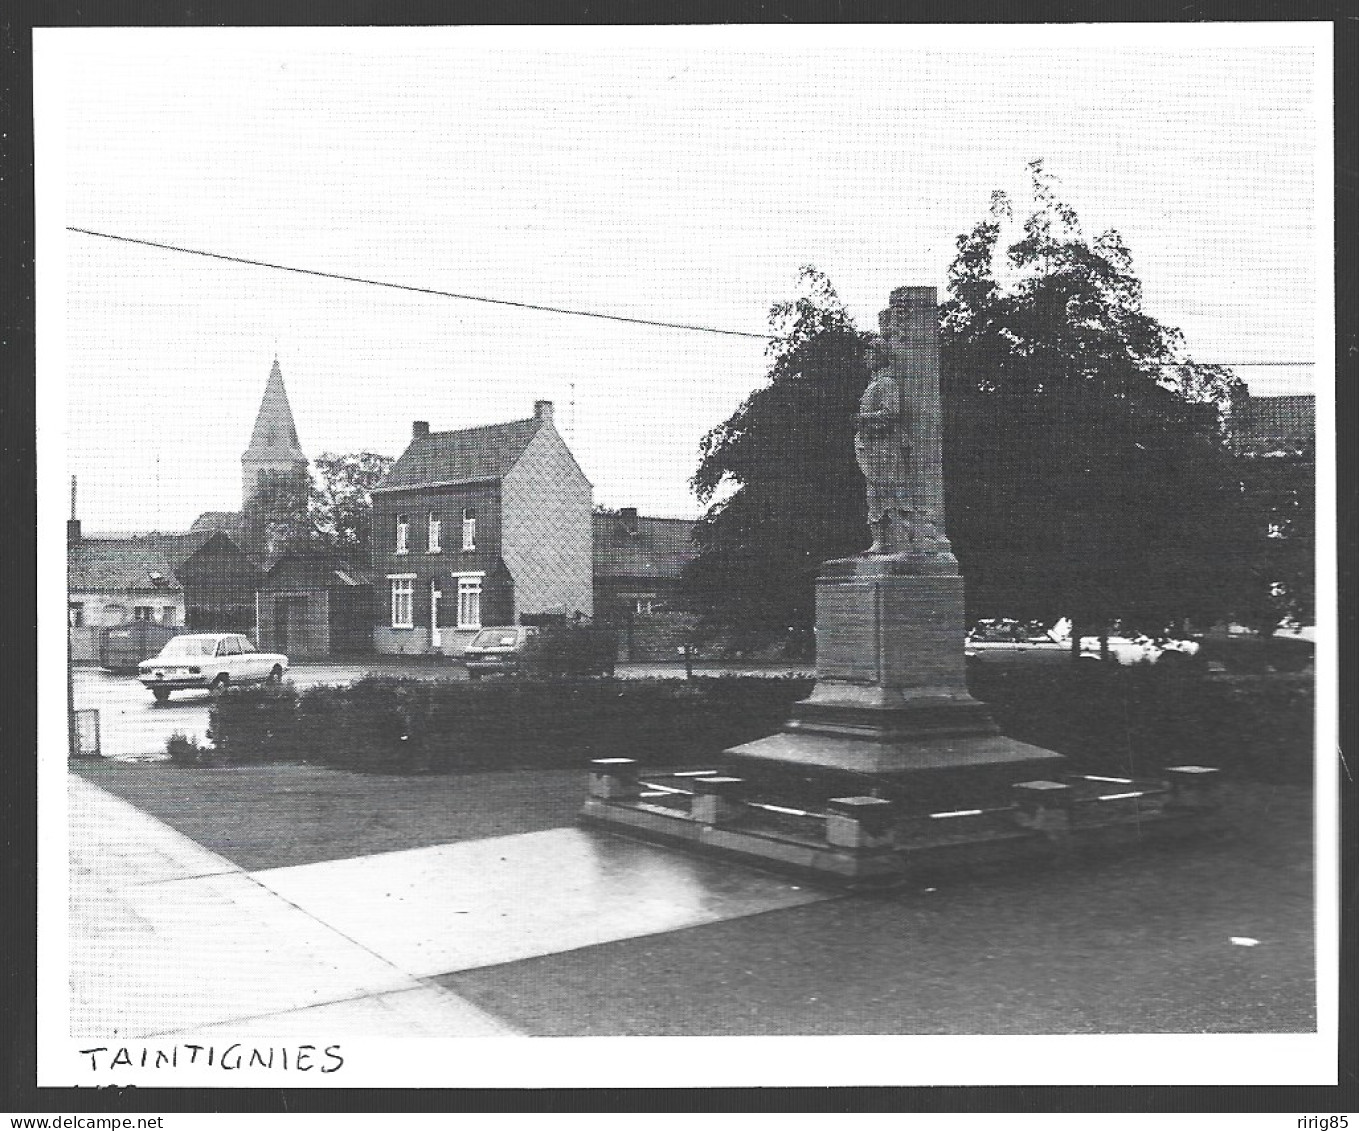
(542, 410)
(628, 517)
(419, 429)
(73, 523)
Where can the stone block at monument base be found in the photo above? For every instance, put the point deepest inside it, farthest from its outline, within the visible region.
(891, 698)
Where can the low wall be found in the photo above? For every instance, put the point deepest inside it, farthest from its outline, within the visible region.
(400, 641)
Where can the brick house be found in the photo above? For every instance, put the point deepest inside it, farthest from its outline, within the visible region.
(637, 566)
(480, 526)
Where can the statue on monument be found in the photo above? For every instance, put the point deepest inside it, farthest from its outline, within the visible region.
(883, 448)
(889, 443)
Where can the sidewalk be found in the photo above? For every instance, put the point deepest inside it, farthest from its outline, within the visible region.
(168, 939)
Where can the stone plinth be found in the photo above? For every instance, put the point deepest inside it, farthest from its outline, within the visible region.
(891, 696)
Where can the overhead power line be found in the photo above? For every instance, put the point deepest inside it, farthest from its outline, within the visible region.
(533, 305)
(420, 290)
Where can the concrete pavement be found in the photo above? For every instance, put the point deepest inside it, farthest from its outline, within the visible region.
(169, 940)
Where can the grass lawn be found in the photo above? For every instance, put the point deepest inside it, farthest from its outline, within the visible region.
(272, 816)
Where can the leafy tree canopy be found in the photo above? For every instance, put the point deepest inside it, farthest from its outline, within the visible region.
(341, 504)
(782, 489)
(1085, 460)
(1087, 471)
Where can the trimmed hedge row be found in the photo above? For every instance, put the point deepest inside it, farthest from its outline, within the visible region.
(1134, 720)
(1124, 720)
(410, 726)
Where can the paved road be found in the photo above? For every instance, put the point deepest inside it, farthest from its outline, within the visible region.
(133, 725)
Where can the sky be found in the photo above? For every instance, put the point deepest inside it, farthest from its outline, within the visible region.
(676, 174)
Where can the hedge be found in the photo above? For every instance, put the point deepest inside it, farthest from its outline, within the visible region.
(405, 725)
(1133, 720)
(1124, 720)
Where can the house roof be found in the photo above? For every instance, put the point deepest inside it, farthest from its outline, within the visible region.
(129, 564)
(468, 455)
(1291, 418)
(640, 547)
(275, 435)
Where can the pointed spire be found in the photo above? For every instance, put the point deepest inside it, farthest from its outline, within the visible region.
(275, 434)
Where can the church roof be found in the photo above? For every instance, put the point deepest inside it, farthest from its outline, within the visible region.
(469, 455)
(275, 434)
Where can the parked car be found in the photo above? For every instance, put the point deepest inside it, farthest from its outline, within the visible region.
(1002, 640)
(497, 650)
(213, 660)
(1139, 649)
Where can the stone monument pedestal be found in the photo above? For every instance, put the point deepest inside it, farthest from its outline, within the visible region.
(891, 698)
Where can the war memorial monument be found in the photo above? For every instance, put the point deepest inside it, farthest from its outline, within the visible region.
(891, 765)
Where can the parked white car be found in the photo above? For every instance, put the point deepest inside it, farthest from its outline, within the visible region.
(209, 660)
(1138, 649)
(1009, 641)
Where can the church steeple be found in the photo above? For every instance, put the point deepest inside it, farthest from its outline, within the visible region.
(274, 451)
(275, 435)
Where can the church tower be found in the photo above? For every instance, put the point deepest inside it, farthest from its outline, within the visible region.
(273, 459)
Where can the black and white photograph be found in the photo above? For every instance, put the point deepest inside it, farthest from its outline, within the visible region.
(811, 538)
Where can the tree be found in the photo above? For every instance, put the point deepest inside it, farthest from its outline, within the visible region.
(341, 504)
(782, 490)
(1087, 470)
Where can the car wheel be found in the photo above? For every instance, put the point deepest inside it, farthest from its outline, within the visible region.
(220, 684)
(276, 675)
(162, 694)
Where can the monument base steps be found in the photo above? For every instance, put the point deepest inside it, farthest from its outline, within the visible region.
(863, 842)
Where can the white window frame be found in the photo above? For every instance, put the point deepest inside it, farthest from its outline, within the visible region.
(469, 528)
(403, 585)
(434, 533)
(469, 587)
(403, 534)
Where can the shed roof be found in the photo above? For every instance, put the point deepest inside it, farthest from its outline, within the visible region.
(318, 566)
(468, 455)
(641, 547)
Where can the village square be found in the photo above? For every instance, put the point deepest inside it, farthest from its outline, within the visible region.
(535, 646)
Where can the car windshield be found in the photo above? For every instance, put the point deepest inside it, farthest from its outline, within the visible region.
(495, 638)
(185, 646)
